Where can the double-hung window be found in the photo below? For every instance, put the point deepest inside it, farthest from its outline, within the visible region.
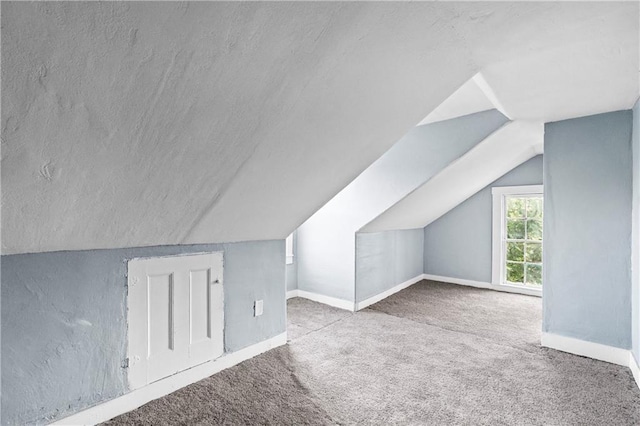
(517, 236)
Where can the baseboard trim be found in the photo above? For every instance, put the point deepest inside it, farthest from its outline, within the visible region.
(385, 294)
(134, 399)
(635, 368)
(327, 300)
(588, 349)
(292, 293)
(482, 284)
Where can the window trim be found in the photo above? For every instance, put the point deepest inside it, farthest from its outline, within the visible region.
(288, 248)
(499, 194)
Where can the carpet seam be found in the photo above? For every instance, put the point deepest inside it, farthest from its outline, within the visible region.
(454, 331)
(321, 328)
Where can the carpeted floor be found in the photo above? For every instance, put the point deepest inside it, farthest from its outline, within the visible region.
(433, 354)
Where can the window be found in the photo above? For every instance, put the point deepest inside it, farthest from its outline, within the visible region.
(517, 236)
(288, 244)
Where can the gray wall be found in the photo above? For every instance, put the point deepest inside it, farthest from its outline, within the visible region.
(635, 238)
(386, 259)
(458, 244)
(587, 232)
(326, 242)
(64, 321)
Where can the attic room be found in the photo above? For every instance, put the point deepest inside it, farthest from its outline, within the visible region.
(320, 213)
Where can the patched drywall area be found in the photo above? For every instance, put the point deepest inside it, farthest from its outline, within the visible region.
(386, 259)
(587, 228)
(635, 234)
(64, 321)
(458, 244)
(326, 242)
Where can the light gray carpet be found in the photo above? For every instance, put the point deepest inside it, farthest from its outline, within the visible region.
(432, 354)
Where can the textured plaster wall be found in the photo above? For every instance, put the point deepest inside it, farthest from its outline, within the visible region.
(326, 242)
(64, 321)
(386, 259)
(458, 244)
(635, 237)
(114, 113)
(587, 228)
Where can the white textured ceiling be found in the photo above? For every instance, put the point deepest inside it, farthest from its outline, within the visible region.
(583, 76)
(132, 124)
(468, 99)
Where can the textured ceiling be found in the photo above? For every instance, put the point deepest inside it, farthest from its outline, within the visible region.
(468, 99)
(132, 124)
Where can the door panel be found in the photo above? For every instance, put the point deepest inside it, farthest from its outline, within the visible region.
(200, 292)
(175, 315)
(206, 314)
(160, 290)
(163, 357)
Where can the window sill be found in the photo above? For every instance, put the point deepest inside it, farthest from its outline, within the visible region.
(512, 288)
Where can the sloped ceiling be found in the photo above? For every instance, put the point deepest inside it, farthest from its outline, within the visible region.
(132, 124)
(502, 151)
(468, 99)
(585, 76)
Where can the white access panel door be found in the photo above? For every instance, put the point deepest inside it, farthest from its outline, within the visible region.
(175, 315)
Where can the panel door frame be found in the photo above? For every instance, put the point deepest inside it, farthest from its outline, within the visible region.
(185, 353)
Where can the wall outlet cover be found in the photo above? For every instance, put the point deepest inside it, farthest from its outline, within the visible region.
(258, 308)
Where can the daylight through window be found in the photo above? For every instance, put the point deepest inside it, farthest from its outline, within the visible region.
(523, 240)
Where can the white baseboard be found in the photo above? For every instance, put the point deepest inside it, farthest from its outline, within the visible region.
(291, 294)
(321, 298)
(588, 349)
(482, 284)
(385, 294)
(635, 368)
(141, 396)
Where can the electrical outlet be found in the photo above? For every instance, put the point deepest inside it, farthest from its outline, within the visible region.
(257, 308)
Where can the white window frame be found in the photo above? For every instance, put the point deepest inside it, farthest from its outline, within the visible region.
(288, 248)
(499, 194)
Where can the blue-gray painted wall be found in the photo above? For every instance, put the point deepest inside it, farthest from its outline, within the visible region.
(64, 331)
(458, 244)
(326, 242)
(292, 276)
(635, 261)
(587, 228)
(386, 259)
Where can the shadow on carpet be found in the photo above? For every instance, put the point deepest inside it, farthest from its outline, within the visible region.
(260, 391)
(433, 354)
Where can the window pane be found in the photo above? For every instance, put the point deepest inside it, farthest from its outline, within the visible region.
(523, 235)
(533, 252)
(534, 207)
(515, 272)
(534, 230)
(515, 229)
(515, 207)
(534, 274)
(515, 252)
